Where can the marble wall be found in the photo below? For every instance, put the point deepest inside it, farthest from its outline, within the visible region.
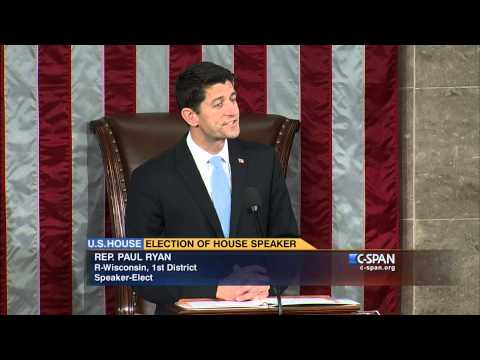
(439, 114)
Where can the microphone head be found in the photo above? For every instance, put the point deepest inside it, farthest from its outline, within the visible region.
(252, 198)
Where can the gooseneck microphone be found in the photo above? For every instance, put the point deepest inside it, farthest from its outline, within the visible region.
(254, 203)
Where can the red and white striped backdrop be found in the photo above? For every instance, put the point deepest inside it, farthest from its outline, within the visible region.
(345, 189)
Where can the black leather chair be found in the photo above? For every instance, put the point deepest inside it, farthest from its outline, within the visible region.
(127, 140)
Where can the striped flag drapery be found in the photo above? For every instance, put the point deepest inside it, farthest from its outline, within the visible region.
(343, 173)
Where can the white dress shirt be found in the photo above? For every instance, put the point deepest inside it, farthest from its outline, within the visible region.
(202, 158)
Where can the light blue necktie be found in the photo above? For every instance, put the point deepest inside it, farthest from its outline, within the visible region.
(221, 194)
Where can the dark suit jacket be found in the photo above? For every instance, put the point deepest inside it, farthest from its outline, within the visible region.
(167, 198)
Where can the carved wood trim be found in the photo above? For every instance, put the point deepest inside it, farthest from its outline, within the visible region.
(284, 142)
(117, 199)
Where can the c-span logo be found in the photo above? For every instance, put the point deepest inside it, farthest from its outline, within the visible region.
(372, 261)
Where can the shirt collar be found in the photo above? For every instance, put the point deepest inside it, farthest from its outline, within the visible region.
(204, 156)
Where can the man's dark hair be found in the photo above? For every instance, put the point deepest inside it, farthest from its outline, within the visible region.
(191, 83)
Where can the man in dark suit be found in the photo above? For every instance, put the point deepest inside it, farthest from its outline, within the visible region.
(197, 188)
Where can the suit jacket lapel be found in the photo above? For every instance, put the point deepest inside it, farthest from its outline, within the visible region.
(192, 178)
(239, 167)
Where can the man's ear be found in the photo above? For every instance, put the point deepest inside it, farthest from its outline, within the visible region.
(190, 116)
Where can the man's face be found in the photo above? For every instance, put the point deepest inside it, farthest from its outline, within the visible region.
(219, 114)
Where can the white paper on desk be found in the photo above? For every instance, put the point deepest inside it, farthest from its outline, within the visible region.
(310, 301)
(216, 304)
(346, 302)
(268, 302)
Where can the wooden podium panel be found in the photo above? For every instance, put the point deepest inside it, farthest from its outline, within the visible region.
(287, 310)
(326, 309)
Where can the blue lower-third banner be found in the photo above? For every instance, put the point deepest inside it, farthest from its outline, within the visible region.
(110, 267)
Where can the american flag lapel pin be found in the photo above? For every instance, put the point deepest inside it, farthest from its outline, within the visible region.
(241, 161)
